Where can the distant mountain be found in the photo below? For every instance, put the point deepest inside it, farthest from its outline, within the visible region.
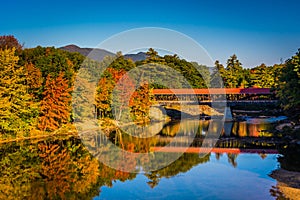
(95, 54)
(99, 54)
(136, 57)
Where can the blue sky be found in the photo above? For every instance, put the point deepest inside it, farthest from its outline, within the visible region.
(257, 31)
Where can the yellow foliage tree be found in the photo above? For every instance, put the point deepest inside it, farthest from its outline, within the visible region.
(16, 107)
(34, 78)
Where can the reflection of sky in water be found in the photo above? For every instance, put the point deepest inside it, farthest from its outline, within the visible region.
(217, 179)
(264, 120)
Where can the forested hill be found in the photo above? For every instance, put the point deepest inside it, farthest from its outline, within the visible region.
(99, 54)
(95, 54)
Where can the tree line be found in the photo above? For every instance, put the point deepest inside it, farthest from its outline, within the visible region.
(36, 84)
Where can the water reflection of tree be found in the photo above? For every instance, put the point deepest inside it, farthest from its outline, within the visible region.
(230, 156)
(232, 159)
(66, 168)
(185, 128)
(17, 169)
(181, 165)
(53, 169)
(218, 155)
(132, 144)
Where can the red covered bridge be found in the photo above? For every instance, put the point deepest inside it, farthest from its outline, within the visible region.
(215, 94)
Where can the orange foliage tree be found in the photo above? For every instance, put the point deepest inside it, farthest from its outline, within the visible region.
(140, 103)
(55, 105)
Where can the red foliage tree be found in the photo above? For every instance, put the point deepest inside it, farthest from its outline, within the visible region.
(115, 80)
(8, 42)
(122, 94)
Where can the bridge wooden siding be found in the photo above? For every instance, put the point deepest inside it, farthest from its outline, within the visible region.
(214, 91)
(232, 95)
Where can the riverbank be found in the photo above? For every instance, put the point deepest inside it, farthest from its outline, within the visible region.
(40, 137)
(65, 131)
(288, 183)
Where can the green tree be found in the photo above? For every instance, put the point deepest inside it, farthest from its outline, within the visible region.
(276, 71)
(265, 76)
(218, 76)
(234, 73)
(288, 88)
(50, 60)
(152, 54)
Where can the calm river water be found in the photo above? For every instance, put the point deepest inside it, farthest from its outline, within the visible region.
(218, 178)
(65, 168)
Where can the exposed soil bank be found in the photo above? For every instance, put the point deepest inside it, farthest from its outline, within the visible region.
(288, 183)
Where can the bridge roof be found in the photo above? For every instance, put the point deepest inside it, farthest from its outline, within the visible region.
(214, 91)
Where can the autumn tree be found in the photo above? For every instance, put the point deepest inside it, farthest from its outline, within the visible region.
(34, 79)
(17, 110)
(107, 83)
(140, 103)
(121, 96)
(9, 42)
(55, 105)
(103, 96)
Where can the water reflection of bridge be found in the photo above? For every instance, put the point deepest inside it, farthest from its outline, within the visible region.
(231, 96)
(213, 150)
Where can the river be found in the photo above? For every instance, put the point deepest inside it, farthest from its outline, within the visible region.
(73, 168)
